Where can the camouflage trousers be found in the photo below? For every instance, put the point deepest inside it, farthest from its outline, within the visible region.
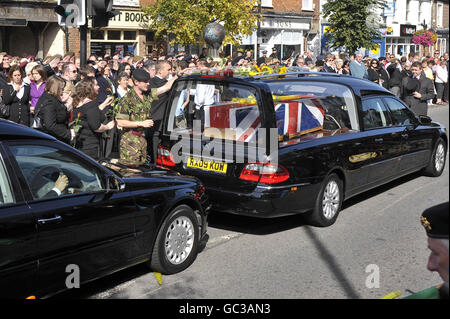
(133, 150)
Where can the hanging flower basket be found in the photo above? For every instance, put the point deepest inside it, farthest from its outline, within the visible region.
(424, 37)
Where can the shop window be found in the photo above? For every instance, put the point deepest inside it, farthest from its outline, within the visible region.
(307, 5)
(266, 4)
(150, 36)
(129, 35)
(97, 34)
(113, 35)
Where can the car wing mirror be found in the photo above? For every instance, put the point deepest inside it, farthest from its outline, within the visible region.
(114, 184)
(425, 120)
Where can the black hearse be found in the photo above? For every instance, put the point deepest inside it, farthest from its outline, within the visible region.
(275, 145)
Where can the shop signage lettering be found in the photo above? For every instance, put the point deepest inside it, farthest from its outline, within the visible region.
(131, 17)
(407, 30)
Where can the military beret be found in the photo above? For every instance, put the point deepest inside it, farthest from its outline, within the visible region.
(435, 221)
(141, 75)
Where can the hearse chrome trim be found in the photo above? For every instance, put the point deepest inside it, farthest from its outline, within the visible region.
(281, 187)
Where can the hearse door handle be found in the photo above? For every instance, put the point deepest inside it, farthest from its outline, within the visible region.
(379, 140)
(57, 218)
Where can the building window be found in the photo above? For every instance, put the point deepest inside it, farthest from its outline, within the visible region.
(97, 34)
(129, 35)
(439, 15)
(307, 5)
(113, 35)
(150, 36)
(266, 4)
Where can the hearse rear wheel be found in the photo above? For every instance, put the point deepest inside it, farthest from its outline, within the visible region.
(176, 245)
(328, 203)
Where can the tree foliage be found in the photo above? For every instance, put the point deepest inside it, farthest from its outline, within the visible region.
(184, 20)
(352, 23)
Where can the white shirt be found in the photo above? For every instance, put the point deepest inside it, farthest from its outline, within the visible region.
(21, 91)
(441, 74)
(204, 95)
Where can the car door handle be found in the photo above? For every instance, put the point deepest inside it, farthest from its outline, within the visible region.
(57, 218)
(379, 140)
(405, 135)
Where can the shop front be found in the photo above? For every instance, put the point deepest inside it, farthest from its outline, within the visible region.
(285, 34)
(30, 29)
(127, 33)
(399, 41)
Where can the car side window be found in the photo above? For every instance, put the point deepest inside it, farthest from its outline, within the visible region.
(375, 114)
(44, 169)
(401, 114)
(6, 196)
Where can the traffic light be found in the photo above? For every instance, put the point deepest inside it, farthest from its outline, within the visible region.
(101, 11)
(71, 13)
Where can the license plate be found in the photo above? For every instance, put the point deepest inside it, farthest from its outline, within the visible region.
(206, 164)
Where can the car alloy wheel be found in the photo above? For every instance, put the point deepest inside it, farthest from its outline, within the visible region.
(436, 164)
(179, 240)
(328, 202)
(439, 158)
(331, 200)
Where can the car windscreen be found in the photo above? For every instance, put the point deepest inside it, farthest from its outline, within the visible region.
(220, 110)
(304, 107)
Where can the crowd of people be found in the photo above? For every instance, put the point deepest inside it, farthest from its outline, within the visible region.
(73, 102)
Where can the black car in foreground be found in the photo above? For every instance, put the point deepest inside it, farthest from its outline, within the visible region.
(101, 222)
(275, 145)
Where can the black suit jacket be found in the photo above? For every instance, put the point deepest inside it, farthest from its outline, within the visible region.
(159, 105)
(419, 105)
(19, 110)
(54, 117)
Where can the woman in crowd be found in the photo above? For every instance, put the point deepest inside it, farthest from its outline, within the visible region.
(346, 67)
(339, 63)
(122, 84)
(88, 114)
(395, 77)
(17, 96)
(125, 67)
(440, 81)
(427, 70)
(37, 86)
(106, 86)
(52, 112)
(373, 72)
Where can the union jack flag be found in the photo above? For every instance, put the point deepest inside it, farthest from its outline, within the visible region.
(299, 117)
(244, 120)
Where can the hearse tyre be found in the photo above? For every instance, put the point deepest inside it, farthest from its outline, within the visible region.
(328, 203)
(177, 243)
(437, 159)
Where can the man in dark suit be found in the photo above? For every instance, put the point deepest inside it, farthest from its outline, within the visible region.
(417, 97)
(159, 81)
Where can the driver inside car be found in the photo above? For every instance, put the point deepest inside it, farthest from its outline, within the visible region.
(60, 185)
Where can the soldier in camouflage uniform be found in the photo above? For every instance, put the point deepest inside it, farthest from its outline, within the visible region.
(134, 117)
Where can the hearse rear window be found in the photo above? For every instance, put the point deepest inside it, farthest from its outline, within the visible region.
(313, 108)
(228, 111)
